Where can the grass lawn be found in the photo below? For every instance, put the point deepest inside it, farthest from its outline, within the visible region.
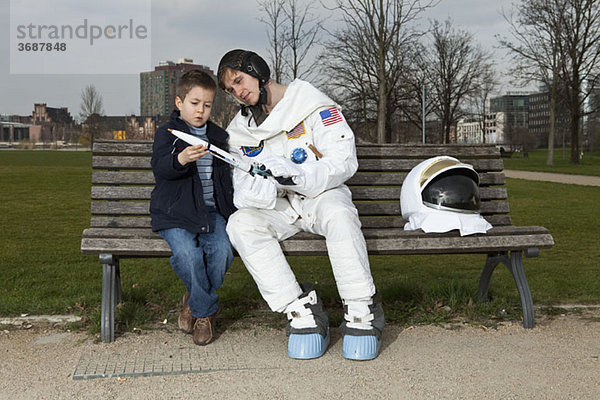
(536, 161)
(44, 207)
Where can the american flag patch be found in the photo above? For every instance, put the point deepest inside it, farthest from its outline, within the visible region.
(298, 131)
(330, 116)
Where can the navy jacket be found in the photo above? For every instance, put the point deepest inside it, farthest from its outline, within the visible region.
(176, 200)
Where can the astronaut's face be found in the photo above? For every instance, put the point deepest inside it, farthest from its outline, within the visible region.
(243, 87)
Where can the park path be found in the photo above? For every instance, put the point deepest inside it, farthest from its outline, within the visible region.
(559, 359)
(553, 177)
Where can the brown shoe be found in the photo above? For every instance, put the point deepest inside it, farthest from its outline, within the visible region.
(204, 329)
(186, 319)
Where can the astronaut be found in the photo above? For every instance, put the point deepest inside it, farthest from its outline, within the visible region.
(301, 136)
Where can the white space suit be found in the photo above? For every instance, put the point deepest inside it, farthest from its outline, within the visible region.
(319, 203)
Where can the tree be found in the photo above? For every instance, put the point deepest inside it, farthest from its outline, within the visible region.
(276, 33)
(91, 102)
(345, 68)
(537, 31)
(413, 90)
(91, 110)
(293, 30)
(369, 48)
(456, 65)
(484, 86)
(580, 42)
(303, 33)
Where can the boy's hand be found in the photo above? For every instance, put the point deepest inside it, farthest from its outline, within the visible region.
(191, 154)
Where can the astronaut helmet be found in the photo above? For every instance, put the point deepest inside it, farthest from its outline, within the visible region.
(441, 194)
(442, 183)
(450, 185)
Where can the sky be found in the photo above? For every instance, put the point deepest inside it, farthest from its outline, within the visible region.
(202, 30)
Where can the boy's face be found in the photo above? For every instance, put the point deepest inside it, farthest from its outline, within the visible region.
(195, 108)
(243, 87)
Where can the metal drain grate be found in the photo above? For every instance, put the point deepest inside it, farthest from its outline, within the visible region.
(107, 363)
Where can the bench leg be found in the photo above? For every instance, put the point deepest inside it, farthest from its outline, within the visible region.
(111, 295)
(484, 281)
(518, 273)
(514, 263)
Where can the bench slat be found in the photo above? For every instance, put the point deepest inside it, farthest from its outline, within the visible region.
(367, 222)
(393, 208)
(400, 165)
(359, 179)
(121, 162)
(120, 208)
(122, 147)
(370, 208)
(358, 193)
(107, 147)
(399, 222)
(369, 233)
(431, 244)
(427, 151)
(126, 247)
(396, 178)
(384, 164)
(122, 233)
(121, 192)
(122, 178)
(120, 222)
(391, 241)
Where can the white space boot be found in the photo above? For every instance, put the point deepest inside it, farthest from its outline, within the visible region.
(308, 326)
(362, 328)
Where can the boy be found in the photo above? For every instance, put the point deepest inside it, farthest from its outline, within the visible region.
(192, 201)
(298, 132)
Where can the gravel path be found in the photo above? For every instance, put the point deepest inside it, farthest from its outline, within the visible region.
(552, 177)
(556, 360)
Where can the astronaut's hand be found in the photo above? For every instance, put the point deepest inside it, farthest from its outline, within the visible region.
(281, 167)
(255, 191)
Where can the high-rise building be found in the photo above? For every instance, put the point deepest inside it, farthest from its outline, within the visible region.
(157, 88)
(514, 106)
(513, 109)
(539, 116)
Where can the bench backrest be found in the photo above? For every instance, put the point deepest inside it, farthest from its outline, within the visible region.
(122, 181)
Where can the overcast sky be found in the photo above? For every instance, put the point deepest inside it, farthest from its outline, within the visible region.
(202, 30)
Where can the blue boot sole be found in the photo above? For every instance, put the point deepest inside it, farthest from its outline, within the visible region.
(307, 346)
(361, 348)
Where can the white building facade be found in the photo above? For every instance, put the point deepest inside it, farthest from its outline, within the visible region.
(471, 130)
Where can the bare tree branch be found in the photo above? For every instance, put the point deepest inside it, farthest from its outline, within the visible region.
(371, 45)
(91, 102)
(455, 66)
(276, 33)
(303, 34)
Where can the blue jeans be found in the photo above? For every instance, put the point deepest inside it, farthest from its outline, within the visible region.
(200, 260)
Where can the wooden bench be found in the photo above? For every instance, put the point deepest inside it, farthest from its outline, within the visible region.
(120, 224)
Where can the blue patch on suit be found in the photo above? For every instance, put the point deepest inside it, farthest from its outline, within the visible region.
(250, 151)
(298, 155)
